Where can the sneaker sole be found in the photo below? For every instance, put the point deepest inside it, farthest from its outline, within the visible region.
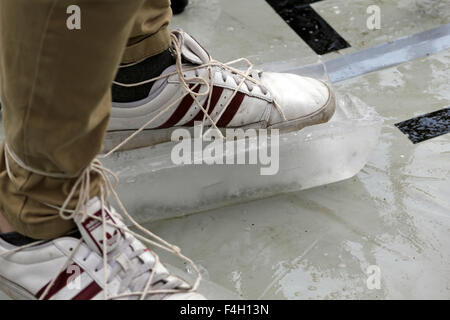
(153, 137)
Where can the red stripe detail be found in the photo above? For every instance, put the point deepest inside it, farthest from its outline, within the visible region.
(60, 283)
(215, 96)
(181, 110)
(89, 292)
(84, 224)
(231, 110)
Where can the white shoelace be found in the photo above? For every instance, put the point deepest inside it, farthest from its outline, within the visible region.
(107, 187)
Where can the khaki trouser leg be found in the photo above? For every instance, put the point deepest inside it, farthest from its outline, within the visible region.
(150, 34)
(55, 93)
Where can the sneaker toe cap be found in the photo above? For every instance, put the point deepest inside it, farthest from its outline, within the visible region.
(298, 96)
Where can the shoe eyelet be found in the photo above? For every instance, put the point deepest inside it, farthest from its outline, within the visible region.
(70, 249)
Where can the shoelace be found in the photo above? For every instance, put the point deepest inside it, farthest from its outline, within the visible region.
(107, 187)
(249, 77)
(134, 278)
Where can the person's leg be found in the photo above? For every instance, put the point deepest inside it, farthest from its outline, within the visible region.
(55, 93)
(147, 54)
(4, 225)
(149, 35)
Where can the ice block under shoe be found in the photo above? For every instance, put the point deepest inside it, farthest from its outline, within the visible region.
(154, 186)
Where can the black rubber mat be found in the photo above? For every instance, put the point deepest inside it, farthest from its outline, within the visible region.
(309, 25)
(428, 126)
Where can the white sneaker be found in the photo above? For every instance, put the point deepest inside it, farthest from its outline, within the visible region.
(72, 268)
(198, 88)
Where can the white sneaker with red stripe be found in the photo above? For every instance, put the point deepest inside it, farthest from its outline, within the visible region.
(73, 267)
(198, 88)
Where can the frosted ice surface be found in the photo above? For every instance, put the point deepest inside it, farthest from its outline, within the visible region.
(153, 187)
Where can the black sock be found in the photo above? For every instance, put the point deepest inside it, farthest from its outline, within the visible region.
(144, 70)
(17, 239)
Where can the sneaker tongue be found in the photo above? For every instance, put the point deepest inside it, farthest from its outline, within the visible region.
(191, 50)
(91, 229)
